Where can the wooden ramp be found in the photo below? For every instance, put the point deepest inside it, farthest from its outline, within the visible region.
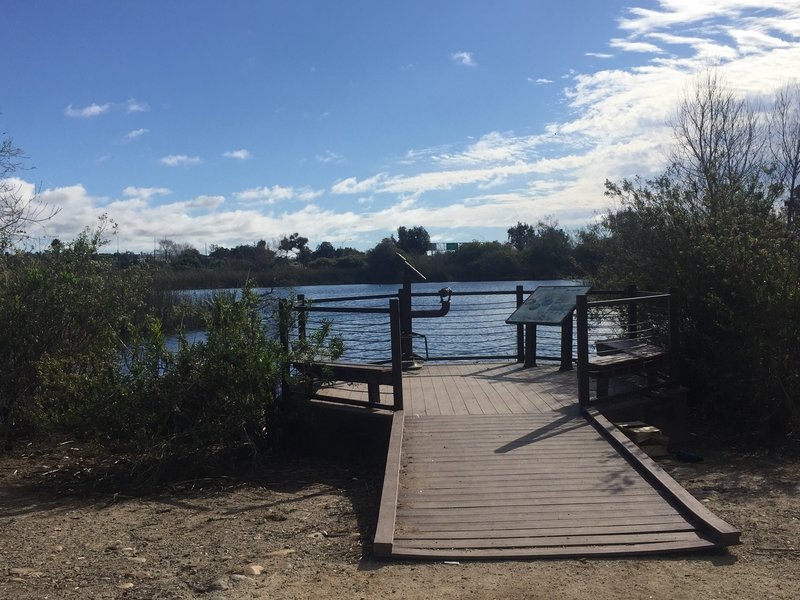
(543, 480)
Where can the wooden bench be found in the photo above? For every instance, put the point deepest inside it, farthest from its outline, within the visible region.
(373, 375)
(617, 357)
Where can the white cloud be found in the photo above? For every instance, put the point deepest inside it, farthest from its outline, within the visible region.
(329, 157)
(180, 160)
(145, 192)
(540, 80)
(598, 55)
(629, 46)
(463, 58)
(135, 134)
(86, 112)
(206, 202)
(491, 148)
(277, 193)
(240, 154)
(352, 185)
(135, 106)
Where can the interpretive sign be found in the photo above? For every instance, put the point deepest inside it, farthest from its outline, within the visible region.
(547, 305)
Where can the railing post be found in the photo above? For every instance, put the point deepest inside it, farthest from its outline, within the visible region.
(633, 313)
(407, 343)
(530, 344)
(582, 323)
(566, 342)
(397, 353)
(674, 338)
(302, 317)
(520, 328)
(283, 335)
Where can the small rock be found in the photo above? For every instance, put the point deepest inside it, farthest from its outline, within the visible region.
(58, 548)
(281, 552)
(115, 546)
(125, 586)
(137, 559)
(25, 572)
(223, 583)
(252, 570)
(316, 535)
(239, 578)
(141, 575)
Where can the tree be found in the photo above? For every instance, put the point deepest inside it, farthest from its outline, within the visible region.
(383, 265)
(414, 241)
(520, 235)
(720, 143)
(784, 139)
(325, 250)
(18, 210)
(295, 242)
(709, 227)
(171, 250)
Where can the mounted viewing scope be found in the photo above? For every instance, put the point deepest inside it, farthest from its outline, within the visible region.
(407, 334)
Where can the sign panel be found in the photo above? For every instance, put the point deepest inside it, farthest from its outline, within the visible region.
(547, 305)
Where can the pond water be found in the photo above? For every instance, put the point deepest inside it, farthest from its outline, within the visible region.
(474, 326)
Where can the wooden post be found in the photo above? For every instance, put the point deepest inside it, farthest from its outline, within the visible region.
(283, 335)
(582, 322)
(530, 344)
(407, 343)
(633, 313)
(520, 329)
(397, 353)
(302, 317)
(674, 339)
(566, 342)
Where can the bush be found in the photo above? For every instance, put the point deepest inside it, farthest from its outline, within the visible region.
(737, 271)
(66, 306)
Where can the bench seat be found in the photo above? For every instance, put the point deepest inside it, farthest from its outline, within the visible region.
(617, 357)
(373, 375)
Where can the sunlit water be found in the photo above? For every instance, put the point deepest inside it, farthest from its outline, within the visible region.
(475, 325)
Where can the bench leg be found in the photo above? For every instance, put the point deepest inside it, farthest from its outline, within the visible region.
(374, 392)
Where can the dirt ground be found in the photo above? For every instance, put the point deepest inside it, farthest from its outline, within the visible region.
(302, 527)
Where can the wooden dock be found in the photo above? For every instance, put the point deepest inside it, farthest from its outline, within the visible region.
(497, 461)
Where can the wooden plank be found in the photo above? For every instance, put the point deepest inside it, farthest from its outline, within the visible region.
(579, 487)
(507, 513)
(615, 524)
(492, 501)
(564, 552)
(652, 537)
(387, 513)
(722, 532)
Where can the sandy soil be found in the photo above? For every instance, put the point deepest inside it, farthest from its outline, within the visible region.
(302, 528)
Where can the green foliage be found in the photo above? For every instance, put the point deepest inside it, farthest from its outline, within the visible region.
(737, 269)
(199, 397)
(414, 240)
(69, 306)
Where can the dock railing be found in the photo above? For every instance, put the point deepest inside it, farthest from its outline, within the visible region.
(315, 369)
(627, 344)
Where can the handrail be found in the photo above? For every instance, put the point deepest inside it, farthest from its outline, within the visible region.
(617, 301)
(633, 330)
(394, 333)
(352, 298)
(341, 309)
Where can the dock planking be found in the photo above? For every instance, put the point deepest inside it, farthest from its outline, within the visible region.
(496, 461)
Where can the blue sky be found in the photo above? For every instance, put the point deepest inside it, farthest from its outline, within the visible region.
(226, 123)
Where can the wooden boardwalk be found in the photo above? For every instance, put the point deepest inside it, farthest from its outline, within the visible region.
(494, 461)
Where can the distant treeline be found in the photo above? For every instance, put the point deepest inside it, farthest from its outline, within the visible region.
(541, 251)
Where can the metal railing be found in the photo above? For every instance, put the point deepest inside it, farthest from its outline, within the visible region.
(640, 328)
